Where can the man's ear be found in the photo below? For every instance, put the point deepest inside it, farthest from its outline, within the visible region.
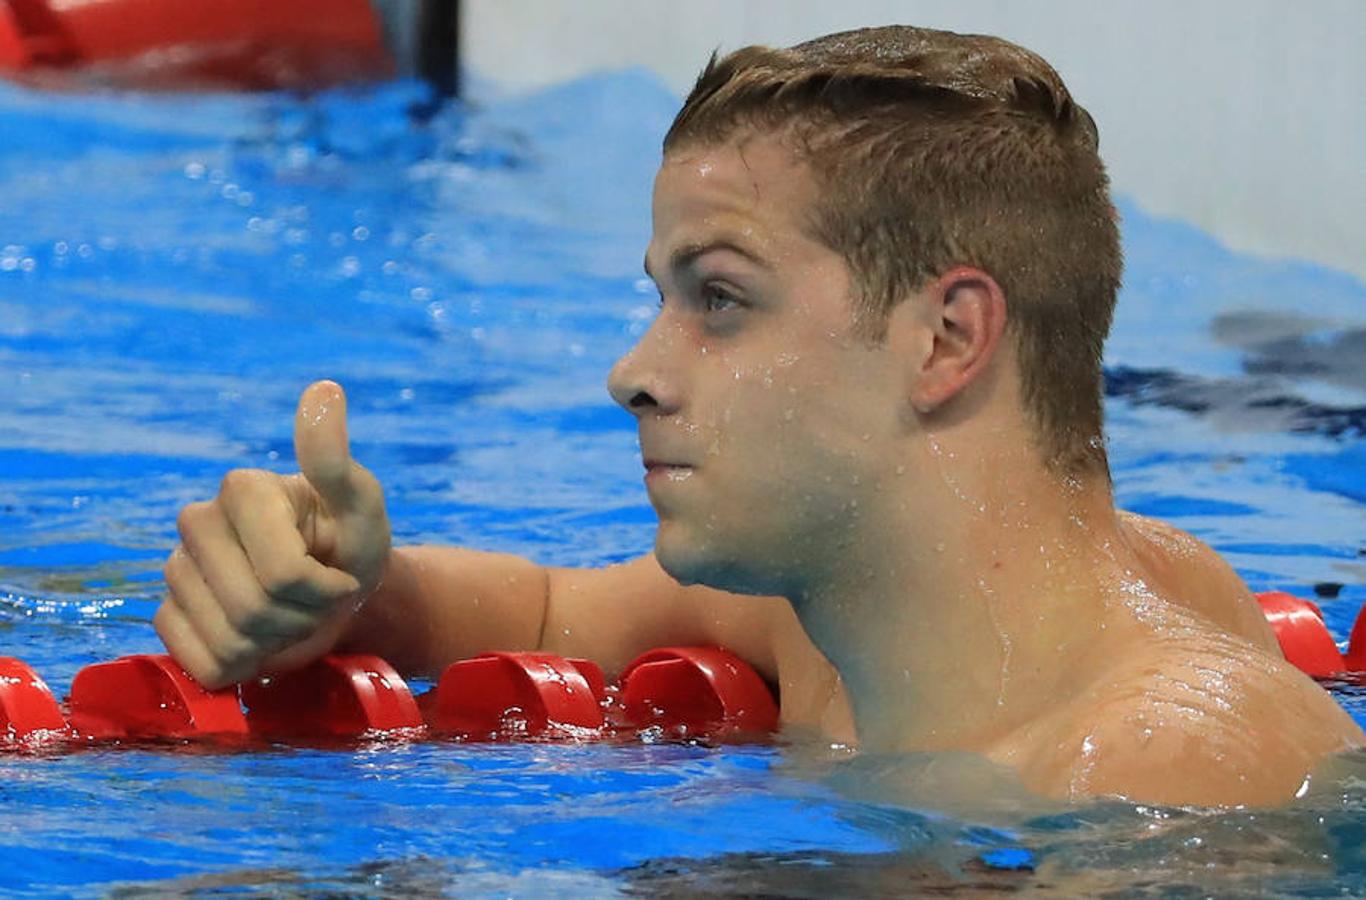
(963, 313)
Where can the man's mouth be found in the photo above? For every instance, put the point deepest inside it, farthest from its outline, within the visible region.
(659, 469)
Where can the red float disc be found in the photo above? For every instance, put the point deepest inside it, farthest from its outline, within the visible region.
(147, 697)
(517, 694)
(1355, 658)
(335, 696)
(1303, 637)
(27, 707)
(697, 690)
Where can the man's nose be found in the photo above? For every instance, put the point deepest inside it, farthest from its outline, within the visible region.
(642, 381)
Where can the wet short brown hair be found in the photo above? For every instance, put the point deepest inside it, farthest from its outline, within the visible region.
(932, 150)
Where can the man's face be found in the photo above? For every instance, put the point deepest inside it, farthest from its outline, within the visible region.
(768, 428)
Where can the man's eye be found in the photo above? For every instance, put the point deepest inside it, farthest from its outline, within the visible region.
(718, 299)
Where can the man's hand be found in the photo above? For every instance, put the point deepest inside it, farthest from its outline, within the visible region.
(268, 574)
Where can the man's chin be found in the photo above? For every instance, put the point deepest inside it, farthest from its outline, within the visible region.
(690, 564)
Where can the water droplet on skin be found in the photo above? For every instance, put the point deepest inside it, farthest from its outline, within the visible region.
(788, 414)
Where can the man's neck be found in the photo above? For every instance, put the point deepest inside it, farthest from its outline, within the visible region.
(972, 601)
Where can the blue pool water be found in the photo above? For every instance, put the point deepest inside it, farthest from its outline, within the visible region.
(174, 270)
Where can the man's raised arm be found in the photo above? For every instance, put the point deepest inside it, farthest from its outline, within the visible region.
(278, 570)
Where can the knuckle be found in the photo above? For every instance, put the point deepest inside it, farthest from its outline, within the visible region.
(171, 604)
(189, 517)
(161, 620)
(177, 568)
(170, 572)
(241, 481)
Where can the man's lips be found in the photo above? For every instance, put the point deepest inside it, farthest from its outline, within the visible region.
(663, 468)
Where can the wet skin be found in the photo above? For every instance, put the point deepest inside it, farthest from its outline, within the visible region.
(763, 426)
(880, 505)
(970, 597)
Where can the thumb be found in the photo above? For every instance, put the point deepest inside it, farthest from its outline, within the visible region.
(323, 450)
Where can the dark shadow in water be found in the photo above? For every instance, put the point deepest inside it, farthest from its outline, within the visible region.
(1281, 349)
(1296, 347)
(409, 878)
(1247, 404)
(821, 875)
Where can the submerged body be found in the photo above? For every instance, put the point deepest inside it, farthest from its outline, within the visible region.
(914, 497)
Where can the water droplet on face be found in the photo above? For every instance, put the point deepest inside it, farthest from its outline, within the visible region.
(788, 414)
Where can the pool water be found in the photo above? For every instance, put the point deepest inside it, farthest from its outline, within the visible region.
(174, 270)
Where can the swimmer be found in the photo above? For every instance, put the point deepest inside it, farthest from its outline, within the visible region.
(870, 416)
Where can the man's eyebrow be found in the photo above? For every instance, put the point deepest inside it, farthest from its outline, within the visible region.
(687, 254)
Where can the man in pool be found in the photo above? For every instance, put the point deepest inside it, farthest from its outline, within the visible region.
(870, 415)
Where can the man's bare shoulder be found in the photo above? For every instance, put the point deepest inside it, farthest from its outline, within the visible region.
(1200, 719)
(1188, 571)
